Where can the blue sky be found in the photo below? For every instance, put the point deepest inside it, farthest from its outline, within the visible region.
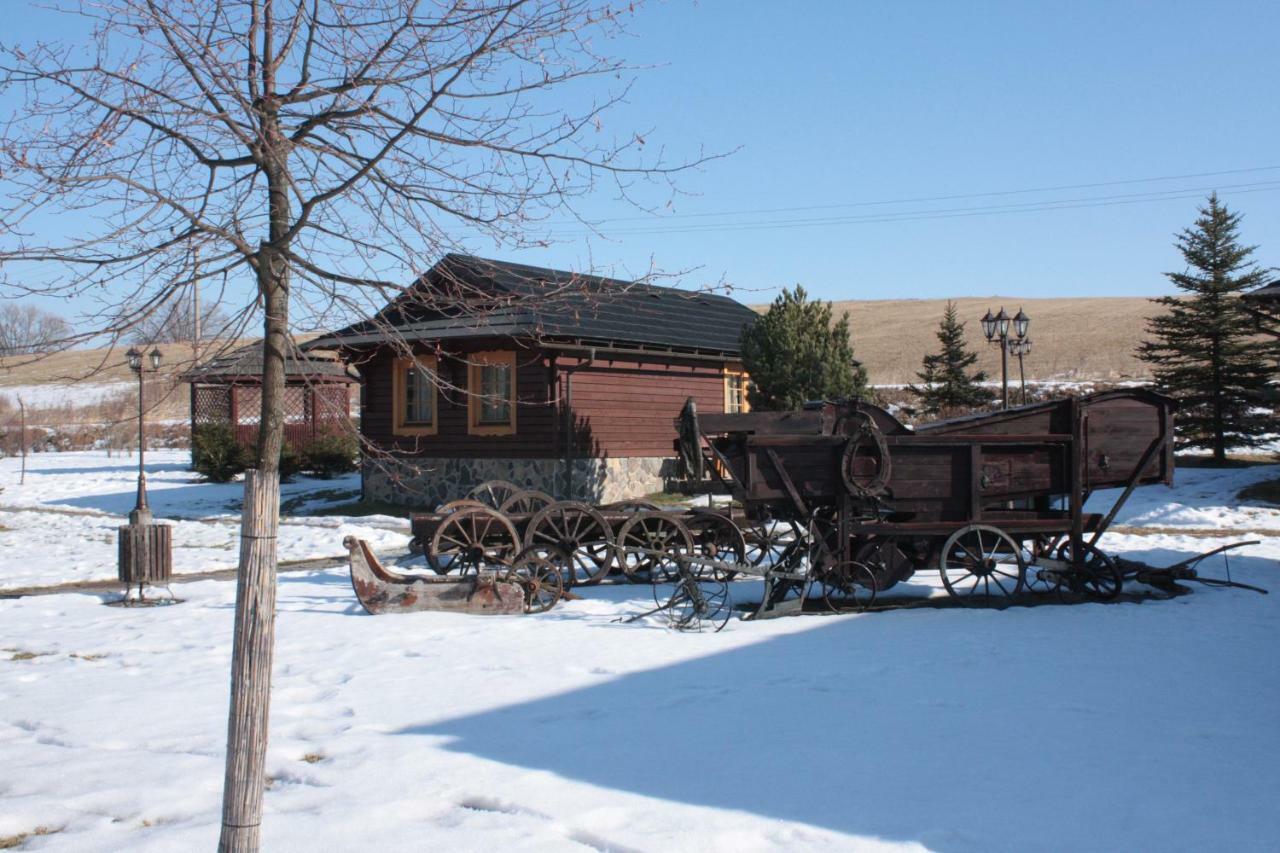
(847, 104)
(861, 102)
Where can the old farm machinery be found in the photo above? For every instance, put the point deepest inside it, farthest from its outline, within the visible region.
(831, 507)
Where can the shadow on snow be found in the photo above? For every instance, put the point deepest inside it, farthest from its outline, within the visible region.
(1023, 729)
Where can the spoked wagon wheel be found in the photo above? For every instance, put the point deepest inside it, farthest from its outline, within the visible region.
(460, 503)
(847, 586)
(768, 539)
(1042, 577)
(526, 502)
(716, 537)
(887, 561)
(471, 539)
(1096, 577)
(648, 543)
(697, 603)
(540, 573)
(493, 493)
(982, 563)
(580, 532)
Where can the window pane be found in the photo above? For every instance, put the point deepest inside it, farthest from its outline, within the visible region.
(419, 395)
(737, 392)
(495, 394)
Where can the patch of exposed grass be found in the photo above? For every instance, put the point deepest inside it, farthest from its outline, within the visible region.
(1266, 492)
(667, 498)
(25, 654)
(314, 757)
(9, 842)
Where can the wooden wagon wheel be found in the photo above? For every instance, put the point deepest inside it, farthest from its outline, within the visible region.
(716, 537)
(846, 586)
(470, 539)
(540, 573)
(981, 563)
(647, 544)
(768, 539)
(492, 493)
(525, 502)
(460, 503)
(579, 531)
(886, 559)
(1096, 577)
(866, 448)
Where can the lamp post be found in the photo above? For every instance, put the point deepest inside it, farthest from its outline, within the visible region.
(996, 329)
(141, 513)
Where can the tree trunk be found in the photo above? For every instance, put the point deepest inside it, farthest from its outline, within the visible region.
(247, 727)
(251, 665)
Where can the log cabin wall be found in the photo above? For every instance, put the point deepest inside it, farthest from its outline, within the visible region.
(621, 407)
(627, 407)
(536, 434)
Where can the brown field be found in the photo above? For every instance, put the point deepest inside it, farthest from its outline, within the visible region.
(1073, 338)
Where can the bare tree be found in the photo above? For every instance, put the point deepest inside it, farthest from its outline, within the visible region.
(321, 152)
(26, 330)
(181, 323)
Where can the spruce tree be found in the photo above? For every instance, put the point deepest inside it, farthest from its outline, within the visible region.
(946, 386)
(1204, 350)
(795, 353)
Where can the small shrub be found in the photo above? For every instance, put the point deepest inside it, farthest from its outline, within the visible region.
(292, 462)
(331, 455)
(215, 453)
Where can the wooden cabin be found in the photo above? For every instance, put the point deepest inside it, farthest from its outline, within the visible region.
(557, 381)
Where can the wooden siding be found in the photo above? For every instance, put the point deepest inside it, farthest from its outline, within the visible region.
(536, 436)
(627, 408)
(621, 407)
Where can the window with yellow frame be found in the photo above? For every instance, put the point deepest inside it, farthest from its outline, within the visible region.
(413, 386)
(736, 382)
(491, 393)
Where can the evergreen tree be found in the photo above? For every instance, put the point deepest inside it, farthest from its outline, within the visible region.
(795, 353)
(945, 383)
(1204, 351)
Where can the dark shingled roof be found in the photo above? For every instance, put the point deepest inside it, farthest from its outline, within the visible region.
(247, 362)
(1267, 291)
(464, 296)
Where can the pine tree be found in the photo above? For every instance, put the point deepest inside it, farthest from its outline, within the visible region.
(795, 353)
(1203, 351)
(945, 383)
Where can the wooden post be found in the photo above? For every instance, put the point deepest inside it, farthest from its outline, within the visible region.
(251, 664)
(22, 439)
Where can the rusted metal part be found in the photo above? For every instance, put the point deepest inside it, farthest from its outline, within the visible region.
(383, 591)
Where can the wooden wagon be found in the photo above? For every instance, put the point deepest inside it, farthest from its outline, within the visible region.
(994, 501)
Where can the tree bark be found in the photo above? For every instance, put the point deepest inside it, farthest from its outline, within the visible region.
(251, 665)
(247, 728)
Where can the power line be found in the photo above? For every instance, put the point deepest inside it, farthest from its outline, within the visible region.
(921, 199)
(944, 213)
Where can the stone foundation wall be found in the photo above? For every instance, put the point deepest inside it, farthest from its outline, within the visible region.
(425, 482)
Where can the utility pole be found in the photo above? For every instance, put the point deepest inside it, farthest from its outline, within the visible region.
(195, 306)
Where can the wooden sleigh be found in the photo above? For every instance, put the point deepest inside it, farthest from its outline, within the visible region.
(381, 590)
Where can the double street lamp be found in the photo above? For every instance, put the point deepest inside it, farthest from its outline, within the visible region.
(997, 328)
(141, 512)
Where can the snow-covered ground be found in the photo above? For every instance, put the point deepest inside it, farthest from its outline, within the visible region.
(1092, 727)
(61, 524)
(51, 394)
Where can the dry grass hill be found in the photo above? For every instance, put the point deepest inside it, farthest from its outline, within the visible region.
(1089, 338)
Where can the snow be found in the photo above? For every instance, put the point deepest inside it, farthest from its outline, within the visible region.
(61, 524)
(51, 394)
(1128, 726)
